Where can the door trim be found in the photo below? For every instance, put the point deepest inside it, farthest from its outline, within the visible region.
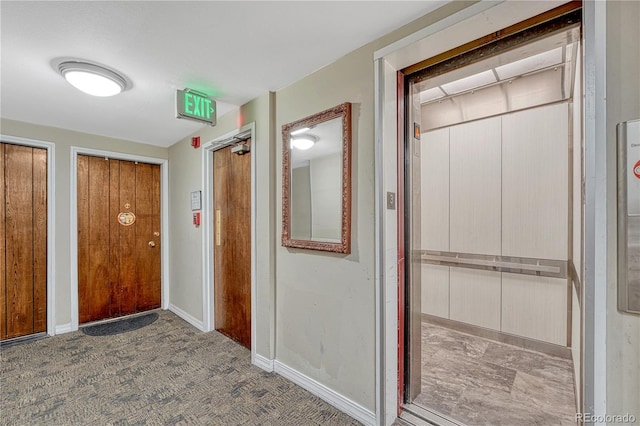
(73, 219)
(207, 231)
(51, 217)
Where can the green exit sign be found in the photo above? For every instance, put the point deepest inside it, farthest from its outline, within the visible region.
(195, 106)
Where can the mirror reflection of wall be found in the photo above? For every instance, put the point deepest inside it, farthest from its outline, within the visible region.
(300, 203)
(326, 197)
(316, 182)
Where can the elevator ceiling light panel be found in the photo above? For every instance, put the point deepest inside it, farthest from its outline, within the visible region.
(431, 95)
(468, 83)
(527, 65)
(556, 52)
(539, 72)
(92, 79)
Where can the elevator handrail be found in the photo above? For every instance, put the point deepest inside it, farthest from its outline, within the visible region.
(528, 265)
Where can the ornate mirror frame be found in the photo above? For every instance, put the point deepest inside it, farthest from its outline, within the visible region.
(344, 246)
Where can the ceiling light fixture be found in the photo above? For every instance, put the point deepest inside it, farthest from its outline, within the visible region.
(303, 143)
(92, 79)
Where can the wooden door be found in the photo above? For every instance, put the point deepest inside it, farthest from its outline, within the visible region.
(23, 231)
(232, 244)
(118, 238)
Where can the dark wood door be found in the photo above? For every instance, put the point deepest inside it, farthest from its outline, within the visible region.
(118, 238)
(23, 231)
(232, 244)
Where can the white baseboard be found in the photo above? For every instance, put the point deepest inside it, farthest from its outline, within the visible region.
(342, 403)
(187, 317)
(262, 362)
(63, 328)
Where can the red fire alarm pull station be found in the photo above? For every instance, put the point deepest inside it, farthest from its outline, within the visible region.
(196, 219)
(195, 141)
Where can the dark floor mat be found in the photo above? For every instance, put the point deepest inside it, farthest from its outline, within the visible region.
(120, 326)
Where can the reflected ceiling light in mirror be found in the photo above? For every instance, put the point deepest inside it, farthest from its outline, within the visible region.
(299, 131)
(530, 64)
(468, 83)
(303, 143)
(92, 79)
(431, 95)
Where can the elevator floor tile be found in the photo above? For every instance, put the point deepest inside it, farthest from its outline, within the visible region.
(478, 381)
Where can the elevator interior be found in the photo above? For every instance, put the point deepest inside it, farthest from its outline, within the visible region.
(494, 190)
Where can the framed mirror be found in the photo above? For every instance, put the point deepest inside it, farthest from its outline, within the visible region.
(316, 181)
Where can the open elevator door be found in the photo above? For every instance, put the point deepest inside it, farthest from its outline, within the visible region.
(413, 241)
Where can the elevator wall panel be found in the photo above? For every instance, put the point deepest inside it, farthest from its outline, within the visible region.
(535, 307)
(475, 210)
(435, 190)
(475, 297)
(535, 183)
(435, 290)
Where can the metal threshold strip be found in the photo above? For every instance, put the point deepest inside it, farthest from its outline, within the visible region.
(413, 414)
(22, 339)
(518, 265)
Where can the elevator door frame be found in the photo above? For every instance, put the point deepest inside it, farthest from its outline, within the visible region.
(478, 20)
(51, 229)
(73, 215)
(208, 228)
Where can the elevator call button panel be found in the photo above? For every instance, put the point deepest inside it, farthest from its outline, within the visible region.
(629, 216)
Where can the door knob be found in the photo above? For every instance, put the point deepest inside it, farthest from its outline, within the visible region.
(152, 244)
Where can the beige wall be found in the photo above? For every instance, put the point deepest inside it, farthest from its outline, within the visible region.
(325, 302)
(623, 103)
(64, 140)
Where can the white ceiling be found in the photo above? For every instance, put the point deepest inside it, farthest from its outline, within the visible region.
(232, 50)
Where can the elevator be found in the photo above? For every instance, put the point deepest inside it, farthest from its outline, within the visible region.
(493, 229)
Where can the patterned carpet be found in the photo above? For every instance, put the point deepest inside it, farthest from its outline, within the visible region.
(165, 373)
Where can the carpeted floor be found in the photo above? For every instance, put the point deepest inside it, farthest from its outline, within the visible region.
(164, 373)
